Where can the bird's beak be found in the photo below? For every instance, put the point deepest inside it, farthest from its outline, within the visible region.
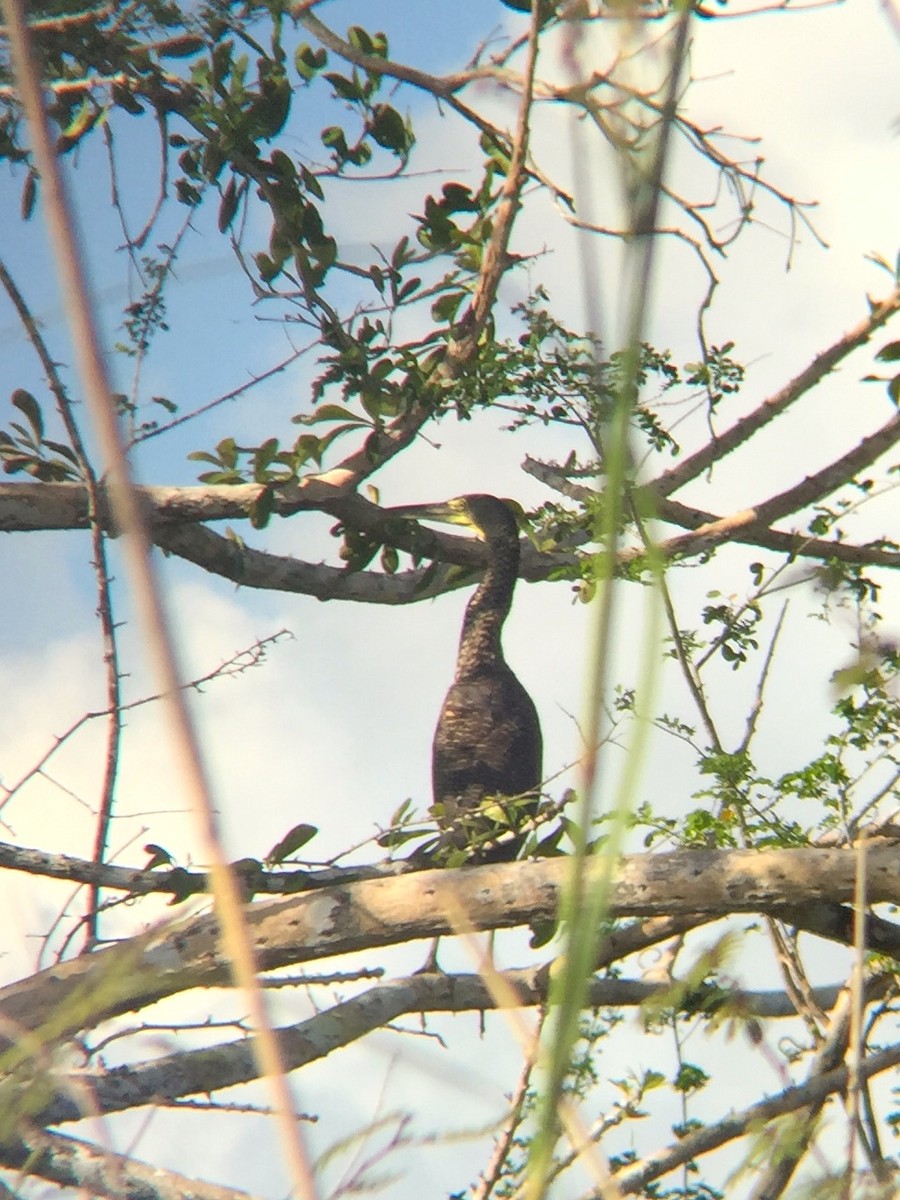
(431, 512)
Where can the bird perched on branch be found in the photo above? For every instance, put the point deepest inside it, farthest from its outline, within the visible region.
(487, 750)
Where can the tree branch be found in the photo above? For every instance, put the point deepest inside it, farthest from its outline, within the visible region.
(708, 529)
(721, 445)
(441, 86)
(181, 882)
(71, 1162)
(824, 482)
(383, 912)
(810, 1094)
(189, 1072)
(794, 1141)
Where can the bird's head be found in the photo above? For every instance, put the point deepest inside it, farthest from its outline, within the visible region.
(488, 517)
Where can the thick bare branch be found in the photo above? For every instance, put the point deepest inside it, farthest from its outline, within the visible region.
(710, 530)
(28, 507)
(189, 1072)
(831, 921)
(71, 1162)
(178, 513)
(275, 572)
(383, 912)
(835, 475)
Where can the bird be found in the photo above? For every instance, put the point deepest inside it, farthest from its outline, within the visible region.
(487, 750)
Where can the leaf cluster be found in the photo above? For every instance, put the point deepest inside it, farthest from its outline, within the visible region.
(26, 448)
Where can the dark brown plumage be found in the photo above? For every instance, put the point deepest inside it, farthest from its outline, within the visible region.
(488, 737)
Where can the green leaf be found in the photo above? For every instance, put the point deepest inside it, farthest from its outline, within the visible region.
(265, 454)
(271, 109)
(446, 307)
(401, 812)
(26, 404)
(180, 47)
(389, 130)
(63, 451)
(29, 195)
(889, 353)
(228, 205)
(359, 37)
(690, 1078)
(383, 368)
(262, 508)
(158, 856)
(333, 137)
(311, 184)
(122, 98)
(187, 193)
(339, 431)
(328, 412)
(410, 286)
(457, 197)
(359, 154)
(308, 61)
(267, 267)
(228, 452)
(292, 841)
(542, 932)
(497, 154)
(345, 89)
(283, 166)
(84, 118)
(221, 61)
(402, 254)
(229, 478)
(306, 447)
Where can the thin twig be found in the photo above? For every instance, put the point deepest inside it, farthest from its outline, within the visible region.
(756, 709)
(236, 665)
(104, 589)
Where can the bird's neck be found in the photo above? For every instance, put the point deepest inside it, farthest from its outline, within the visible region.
(479, 645)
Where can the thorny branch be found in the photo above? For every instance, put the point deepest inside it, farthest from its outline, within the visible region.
(104, 588)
